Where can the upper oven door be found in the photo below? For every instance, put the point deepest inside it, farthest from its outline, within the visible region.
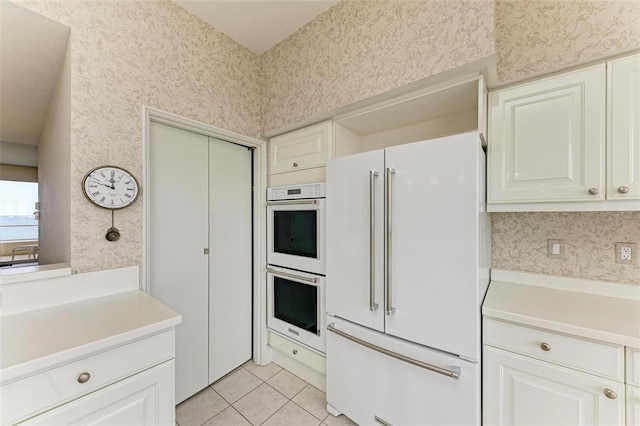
(295, 234)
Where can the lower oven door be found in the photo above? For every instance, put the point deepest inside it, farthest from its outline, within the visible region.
(296, 306)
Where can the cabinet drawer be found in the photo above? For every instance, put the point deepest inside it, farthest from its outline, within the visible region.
(301, 149)
(47, 389)
(299, 352)
(633, 366)
(586, 355)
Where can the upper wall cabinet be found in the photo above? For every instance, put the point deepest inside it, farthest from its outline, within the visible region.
(623, 132)
(299, 156)
(567, 143)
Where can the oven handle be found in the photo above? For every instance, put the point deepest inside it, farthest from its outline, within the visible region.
(454, 373)
(288, 275)
(281, 202)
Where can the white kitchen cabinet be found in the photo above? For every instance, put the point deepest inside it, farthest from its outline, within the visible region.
(568, 142)
(299, 156)
(100, 357)
(633, 405)
(623, 131)
(581, 365)
(143, 399)
(546, 139)
(519, 390)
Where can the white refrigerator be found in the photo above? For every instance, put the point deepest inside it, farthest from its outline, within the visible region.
(408, 256)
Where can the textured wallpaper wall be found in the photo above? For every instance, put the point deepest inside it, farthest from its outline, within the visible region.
(534, 37)
(125, 54)
(358, 49)
(519, 243)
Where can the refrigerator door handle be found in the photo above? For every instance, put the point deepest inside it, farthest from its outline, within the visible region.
(387, 202)
(372, 228)
(454, 372)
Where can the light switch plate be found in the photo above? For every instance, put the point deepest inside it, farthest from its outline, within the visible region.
(555, 249)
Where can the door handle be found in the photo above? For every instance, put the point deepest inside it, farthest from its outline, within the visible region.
(389, 305)
(372, 229)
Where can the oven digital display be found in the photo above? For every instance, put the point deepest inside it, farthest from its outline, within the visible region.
(296, 191)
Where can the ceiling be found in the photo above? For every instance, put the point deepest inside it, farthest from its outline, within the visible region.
(257, 24)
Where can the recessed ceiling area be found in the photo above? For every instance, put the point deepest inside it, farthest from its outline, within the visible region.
(32, 50)
(257, 24)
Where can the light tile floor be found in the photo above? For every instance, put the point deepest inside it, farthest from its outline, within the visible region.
(258, 395)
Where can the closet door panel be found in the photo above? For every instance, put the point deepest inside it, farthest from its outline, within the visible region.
(178, 191)
(230, 270)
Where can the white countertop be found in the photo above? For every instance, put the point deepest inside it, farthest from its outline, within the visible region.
(608, 312)
(38, 339)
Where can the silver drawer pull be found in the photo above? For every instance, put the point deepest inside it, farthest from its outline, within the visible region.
(610, 393)
(454, 373)
(84, 377)
(545, 346)
(295, 352)
(593, 191)
(295, 164)
(623, 189)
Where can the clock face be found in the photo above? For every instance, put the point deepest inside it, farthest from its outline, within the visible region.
(110, 187)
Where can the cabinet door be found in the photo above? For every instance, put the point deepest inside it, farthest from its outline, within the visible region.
(521, 391)
(354, 258)
(547, 139)
(301, 149)
(143, 399)
(633, 405)
(623, 139)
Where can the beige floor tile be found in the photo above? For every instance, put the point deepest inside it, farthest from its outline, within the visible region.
(291, 415)
(313, 400)
(200, 408)
(265, 372)
(229, 417)
(287, 384)
(236, 385)
(341, 420)
(260, 404)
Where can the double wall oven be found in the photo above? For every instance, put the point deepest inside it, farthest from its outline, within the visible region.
(296, 262)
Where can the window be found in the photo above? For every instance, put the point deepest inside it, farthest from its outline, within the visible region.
(17, 206)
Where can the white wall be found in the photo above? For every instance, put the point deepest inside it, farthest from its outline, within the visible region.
(54, 170)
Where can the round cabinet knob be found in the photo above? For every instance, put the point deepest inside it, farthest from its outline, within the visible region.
(295, 352)
(545, 346)
(593, 191)
(295, 164)
(84, 377)
(609, 393)
(623, 189)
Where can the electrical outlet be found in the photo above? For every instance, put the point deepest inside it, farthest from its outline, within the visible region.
(626, 253)
(555, 249)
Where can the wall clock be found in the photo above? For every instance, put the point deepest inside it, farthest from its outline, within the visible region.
(111, 188)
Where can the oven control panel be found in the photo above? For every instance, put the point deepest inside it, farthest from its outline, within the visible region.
(310, 190)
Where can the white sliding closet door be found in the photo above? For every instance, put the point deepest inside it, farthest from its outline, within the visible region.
(178, 193)
(230, 258)
(200, 200)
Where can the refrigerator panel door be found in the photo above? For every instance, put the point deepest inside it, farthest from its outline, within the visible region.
(364, 384)
(348, 238)
(433, 286)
